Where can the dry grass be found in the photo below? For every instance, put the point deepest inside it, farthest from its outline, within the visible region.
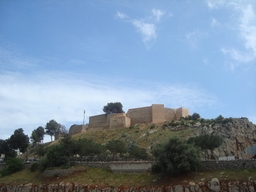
(144, 135)
(103, 177)
(91, 176)
(24, 176)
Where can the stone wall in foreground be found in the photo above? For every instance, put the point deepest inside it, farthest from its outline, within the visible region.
(213, 185)
(231, 165)
(143, 166)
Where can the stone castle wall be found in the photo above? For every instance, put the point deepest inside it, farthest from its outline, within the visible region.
(156, 113)
(181, 112)
(76, 129)
(99, 121)
(140, 115)
(119, 120)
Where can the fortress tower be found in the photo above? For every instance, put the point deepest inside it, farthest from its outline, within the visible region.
(155, 113)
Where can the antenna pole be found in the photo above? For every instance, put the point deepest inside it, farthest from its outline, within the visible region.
(84, 117)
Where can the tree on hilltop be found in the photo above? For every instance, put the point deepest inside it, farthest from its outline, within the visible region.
(37, 135)
(195, 116)
(116, 107)
(52, 128)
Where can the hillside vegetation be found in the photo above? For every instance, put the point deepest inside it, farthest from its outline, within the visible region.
(144, 135)
(147, 135)
(237, 134)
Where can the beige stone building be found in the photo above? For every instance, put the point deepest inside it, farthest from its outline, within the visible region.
(155, 113)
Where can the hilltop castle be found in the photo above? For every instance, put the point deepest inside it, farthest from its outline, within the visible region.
(155, 113)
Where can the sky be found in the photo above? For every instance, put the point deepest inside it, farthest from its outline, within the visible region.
(59, 58)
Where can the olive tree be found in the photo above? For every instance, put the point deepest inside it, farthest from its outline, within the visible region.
(176, 156)
(206, 141)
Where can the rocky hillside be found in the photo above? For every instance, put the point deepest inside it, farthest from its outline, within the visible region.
(238, 134)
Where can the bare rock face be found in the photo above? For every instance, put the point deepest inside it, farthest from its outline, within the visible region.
(237, 134)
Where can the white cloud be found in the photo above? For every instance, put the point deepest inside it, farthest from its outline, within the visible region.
(13, 60)
(29, 101)
(215, 4)
(248, 29)
(247, 32)
(158, 14)
(121, 15)
(215, 22)
(194, 37)
(145, 26)
(147, 30)
(245, 25)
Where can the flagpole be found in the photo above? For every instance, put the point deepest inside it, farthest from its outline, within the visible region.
(84, 118)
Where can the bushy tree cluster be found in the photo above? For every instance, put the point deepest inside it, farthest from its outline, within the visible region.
(176, 157)
(17, 141)
(115, 107)
(206, 141)
(37, 135)
(194, 116)
(12, 165)
(52, 128)
(68, 150)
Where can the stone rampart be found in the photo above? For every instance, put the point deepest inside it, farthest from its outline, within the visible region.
(76, 129)
(140, 115)
(119, 120)
(156, 113)
(99, 121)
(169, 114)
(181, 112)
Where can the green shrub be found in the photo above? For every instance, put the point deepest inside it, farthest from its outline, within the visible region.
(56, 156)
(176, 156)
(43, 164)
(156, 169)
(34, 167)
(152, 126)
(13, 165)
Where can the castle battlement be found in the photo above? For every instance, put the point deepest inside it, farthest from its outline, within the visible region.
(155, 113)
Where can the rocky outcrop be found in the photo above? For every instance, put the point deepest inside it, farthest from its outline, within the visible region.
(237, 133)
(213, 185)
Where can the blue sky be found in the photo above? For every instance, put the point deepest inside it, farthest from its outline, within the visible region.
(59, 58)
